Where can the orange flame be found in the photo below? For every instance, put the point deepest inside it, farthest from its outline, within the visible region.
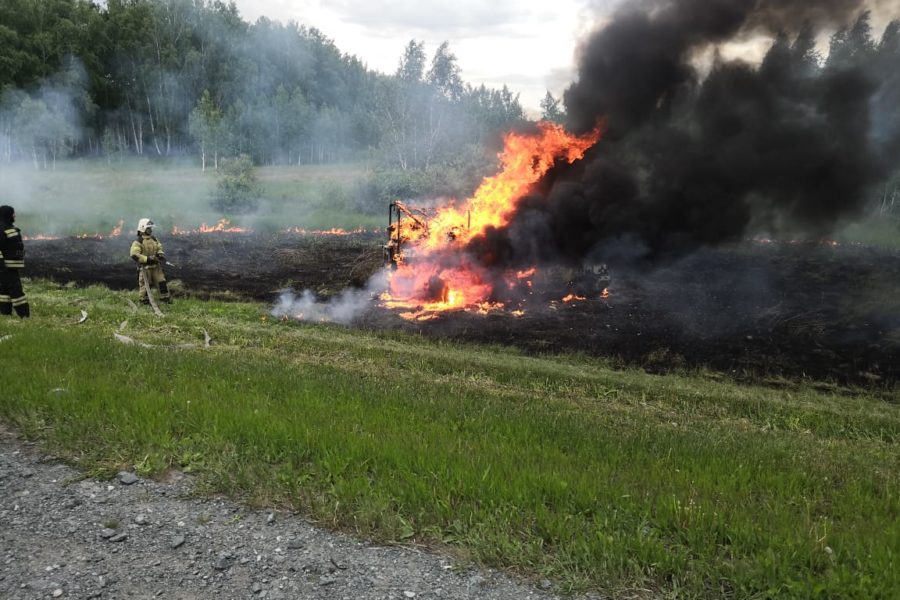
(324, 232)
(116, 232)
(221, 227)
(524, 160)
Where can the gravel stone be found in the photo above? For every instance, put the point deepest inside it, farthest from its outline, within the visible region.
(54, 522)
(223, 562)
(126, 478)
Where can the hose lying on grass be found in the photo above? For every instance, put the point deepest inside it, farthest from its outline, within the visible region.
(131, 341)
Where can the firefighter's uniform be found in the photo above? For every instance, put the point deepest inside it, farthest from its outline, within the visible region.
(147, 252)
(12, 261)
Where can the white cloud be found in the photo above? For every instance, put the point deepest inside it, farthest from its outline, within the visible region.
(411, 17)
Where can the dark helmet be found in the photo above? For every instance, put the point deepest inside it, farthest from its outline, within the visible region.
(7, 214)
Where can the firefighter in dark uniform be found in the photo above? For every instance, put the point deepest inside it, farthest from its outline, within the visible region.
(147, 252)
(12, 261)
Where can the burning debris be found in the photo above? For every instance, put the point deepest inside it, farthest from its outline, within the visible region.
(689, 158)
(433, 268)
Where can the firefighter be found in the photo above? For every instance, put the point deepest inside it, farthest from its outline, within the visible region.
(147, 252)
(12, 261)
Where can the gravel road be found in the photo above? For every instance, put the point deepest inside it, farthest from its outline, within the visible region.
(64, 536)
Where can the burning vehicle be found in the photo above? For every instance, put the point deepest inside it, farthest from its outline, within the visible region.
(404, 225)
(436, 257)
(408, 224)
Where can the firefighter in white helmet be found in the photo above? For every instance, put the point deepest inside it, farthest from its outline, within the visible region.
(147, 252)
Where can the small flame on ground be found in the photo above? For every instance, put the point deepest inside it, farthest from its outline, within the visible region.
(223, 226)
(116, 232)
(325, 232)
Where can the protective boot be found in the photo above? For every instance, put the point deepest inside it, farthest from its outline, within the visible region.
(164, 295)
(23, 310)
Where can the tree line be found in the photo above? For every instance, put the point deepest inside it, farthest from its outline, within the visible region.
(164, 78)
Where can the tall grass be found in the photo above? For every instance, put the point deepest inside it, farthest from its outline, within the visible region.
(561, 466)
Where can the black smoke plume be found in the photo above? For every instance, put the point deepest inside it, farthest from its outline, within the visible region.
(796, 143)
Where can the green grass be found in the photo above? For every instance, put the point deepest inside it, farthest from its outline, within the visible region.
(91, 196)
(688, 485)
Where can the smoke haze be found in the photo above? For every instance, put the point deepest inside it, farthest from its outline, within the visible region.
(794, 144)
(344, 308)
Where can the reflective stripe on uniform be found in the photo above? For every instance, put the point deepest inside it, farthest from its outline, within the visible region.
(15, 264)
(5, 299)
(20, 301)
(11, 233)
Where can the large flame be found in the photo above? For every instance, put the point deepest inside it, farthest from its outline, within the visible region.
(439, 277)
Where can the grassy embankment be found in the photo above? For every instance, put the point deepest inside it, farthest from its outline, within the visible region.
(688, 485)
(91, 196)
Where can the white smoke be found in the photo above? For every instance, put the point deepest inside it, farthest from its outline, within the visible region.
(344, 308)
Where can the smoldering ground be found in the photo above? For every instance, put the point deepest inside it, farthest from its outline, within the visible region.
(344, 308)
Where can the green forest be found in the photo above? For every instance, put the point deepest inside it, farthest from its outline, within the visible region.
(176, 78)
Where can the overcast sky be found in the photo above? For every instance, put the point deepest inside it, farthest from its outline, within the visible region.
(528, 45)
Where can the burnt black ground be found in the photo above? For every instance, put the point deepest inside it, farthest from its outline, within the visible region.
(253, 266)
(753, 311)
(816, 311)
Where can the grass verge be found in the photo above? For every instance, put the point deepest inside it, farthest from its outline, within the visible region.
(562, 467)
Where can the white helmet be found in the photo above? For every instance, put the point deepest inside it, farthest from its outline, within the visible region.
(144, 225)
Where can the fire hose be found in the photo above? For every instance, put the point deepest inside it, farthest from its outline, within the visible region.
(149, 293)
